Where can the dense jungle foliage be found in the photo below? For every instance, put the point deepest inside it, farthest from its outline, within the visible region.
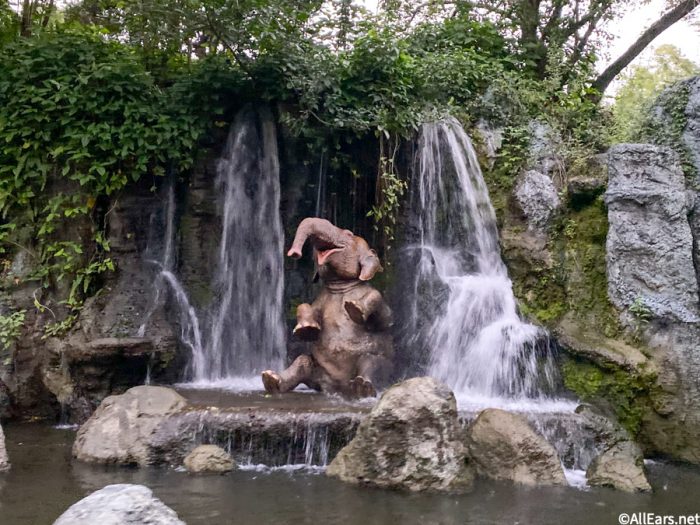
(104, 92)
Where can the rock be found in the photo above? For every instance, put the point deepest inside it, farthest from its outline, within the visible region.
(490, 141)
(504, 446)
(4, 461)
(208, 458)
(537, 198)
(544, 150)
(410, 440)
(122, 504)
(649, 245)
(582, 189)
(119, 430)
(620, 467)
(583, 342)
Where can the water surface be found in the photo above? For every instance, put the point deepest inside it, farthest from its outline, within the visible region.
(44, 481)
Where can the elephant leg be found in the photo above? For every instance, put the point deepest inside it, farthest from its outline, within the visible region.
(370, 307)
(300, 371)
(370, 369)
(308, 327)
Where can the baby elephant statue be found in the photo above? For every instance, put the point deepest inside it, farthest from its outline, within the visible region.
(348, 323)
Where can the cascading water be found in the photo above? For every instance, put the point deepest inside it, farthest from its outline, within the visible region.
(165, 280)
(245, 332)
(244, 322)
(463, 312)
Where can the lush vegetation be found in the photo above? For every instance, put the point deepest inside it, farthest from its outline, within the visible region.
(104, 93)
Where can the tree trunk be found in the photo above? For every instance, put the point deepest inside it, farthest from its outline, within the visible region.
(667, 20)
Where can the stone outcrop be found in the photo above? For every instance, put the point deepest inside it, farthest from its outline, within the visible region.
(410, 440)
(504, 446)
(652, 280)
(621, 467)
(4, 461)
(122, 504)
(120, 429)
(650, 245)
(208, 458)
(537, 198)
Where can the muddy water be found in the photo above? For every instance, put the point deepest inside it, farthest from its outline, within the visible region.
(44, 482)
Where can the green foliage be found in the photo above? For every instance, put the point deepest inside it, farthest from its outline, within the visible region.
(10, 327)
(642, 85)
(666, 127)
(79, 119)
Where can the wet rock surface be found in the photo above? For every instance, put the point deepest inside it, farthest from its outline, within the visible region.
(120, 429)
(504, 446)
(290, 429)
(208, 458)
(121, 504)
(621, 467)
(411, 440)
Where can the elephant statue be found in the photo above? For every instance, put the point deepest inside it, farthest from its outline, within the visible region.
(348, 322)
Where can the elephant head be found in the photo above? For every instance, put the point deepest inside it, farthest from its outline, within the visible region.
(338, 253)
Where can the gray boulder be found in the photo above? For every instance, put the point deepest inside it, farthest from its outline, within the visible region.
(120, 429)
(208, 458)
(411, 440)
(621, 467)
(537, 198)
(649, 245)
(120, 505)
(4, 461)
(504, 446)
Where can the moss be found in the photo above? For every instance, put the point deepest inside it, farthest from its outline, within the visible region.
(627, 392)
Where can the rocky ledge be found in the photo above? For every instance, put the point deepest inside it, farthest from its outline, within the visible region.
(151, 425)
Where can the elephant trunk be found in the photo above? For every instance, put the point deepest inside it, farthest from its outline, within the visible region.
(321, 231)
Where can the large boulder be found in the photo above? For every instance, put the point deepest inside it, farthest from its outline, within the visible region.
(504, 446)
(411, 440)
(208, 458)
(538, 199)
(122, 504)
(120, 429)
(4, 461)
(650, 245)
(621, 467)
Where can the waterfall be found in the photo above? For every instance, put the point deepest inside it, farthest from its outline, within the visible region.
(461, 313)
(244, 329)
(190, 334)
(245, 332)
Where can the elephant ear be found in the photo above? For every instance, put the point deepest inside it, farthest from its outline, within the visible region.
(369, 265)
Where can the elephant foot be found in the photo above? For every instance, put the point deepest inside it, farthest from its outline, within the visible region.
(307, 330)
(361, 387)
(271, 381)
(355, 312)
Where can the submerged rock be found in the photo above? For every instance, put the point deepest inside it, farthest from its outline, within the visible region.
(504, 446)
(208, 458)
(122, 504)
(410, 440)
(620, 467)
(538, 199)
(4, 461)
(119, 430)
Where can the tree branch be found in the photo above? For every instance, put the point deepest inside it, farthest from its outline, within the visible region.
(667, 20)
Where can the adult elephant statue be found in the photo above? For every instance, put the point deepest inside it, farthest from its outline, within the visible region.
(348, 322)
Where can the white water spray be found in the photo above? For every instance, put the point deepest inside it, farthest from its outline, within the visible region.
(245, 333)
(463, 309)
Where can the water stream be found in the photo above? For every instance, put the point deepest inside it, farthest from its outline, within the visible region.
(244, 323)
(462, 314)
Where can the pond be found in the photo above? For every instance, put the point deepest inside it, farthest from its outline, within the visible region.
(44, 481)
